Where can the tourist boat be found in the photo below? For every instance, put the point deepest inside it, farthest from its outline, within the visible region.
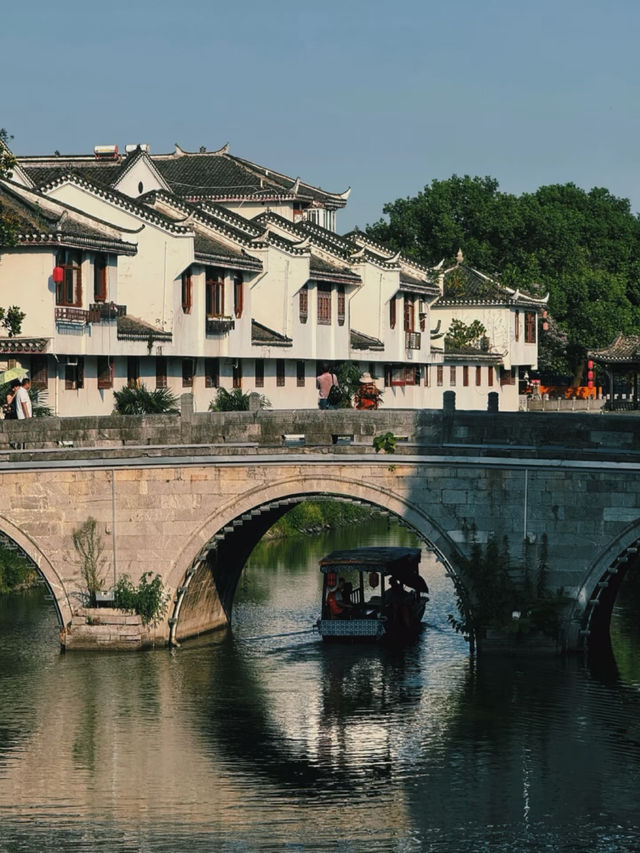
(372, 594)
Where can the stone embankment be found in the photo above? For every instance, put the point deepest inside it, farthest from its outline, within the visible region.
(104, 627)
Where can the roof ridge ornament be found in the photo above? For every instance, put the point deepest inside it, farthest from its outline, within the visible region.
(295, 189)
(359, 253)
(459, 257)
(261, 238)
(179, 151)
(223, 150)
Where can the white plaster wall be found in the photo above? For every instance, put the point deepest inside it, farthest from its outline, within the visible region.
(145, 281)
(139, 173)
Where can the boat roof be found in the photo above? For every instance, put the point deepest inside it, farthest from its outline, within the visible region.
(401, 563)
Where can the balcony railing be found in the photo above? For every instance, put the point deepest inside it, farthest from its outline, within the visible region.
(99, 311)
(219, 325)
(67, 314)
(412, 340)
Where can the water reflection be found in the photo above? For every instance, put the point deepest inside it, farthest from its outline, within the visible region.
(266, 739)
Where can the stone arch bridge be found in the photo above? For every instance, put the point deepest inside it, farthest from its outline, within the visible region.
(188, 498)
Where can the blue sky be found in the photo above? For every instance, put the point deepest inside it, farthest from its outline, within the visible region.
(379, 96)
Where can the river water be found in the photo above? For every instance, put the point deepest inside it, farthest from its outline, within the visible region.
(264, 739)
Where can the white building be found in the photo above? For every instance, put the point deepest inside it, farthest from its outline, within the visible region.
(199, 271)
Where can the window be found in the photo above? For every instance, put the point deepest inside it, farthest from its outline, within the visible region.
(211, 373)
(280, 372)
(530, 327)
(69, 290)
(133, 372)
(452, 375)
(304, 303)
(238, 295)
(100, 278)
(465, 375)
(214, 292)
(74, 374)
(392, 312)
(161, 371)
(399, 375)
(478, 375)
(426, 376)
(105, 372)
(187, 291)
(409, 314)
(300, 374)
(341, 305)
(39, 372)
(439, 374)
(237, 373)
(259, 373)
(187, 372)
(489, 376)
(324, 305)
(517, 325)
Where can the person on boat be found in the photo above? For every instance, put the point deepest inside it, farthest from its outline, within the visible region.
(338, 607)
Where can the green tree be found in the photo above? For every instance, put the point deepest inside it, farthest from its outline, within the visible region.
(7, 163)
(583, 248)
(462, 335)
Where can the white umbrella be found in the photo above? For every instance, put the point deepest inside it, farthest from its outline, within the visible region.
(12, 373)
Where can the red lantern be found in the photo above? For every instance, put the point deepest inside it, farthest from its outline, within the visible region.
(58, 275)
(373, 580)
(332, 579)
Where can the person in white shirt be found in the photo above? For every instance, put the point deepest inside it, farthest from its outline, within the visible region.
(23, 400)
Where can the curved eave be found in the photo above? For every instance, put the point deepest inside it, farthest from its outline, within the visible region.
(73, 241)
(335, 278)
(491, 303)
(233, 263)
(11, 346)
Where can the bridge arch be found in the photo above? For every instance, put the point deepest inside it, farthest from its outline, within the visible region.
(22, 542)
(597, 594)
(244, 520)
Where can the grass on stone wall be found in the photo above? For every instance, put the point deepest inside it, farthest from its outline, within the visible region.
(314, 516)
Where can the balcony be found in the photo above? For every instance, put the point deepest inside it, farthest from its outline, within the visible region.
(219, 325)
(412, 340)
(71, 316)
(99, 311)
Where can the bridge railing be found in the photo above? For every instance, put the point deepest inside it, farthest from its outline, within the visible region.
(339, 431)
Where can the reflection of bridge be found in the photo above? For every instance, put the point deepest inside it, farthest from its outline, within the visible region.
(193, 508)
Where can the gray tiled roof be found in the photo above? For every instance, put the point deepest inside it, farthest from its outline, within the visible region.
(624, 349)
(361, 341)
(190, 175)
(262, 335)
(210, 250)
(35, 223)
(464, 285)
(134, 329)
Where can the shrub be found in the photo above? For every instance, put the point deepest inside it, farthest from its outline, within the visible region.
(387, 442)
(149, 599)
(141, 401)
(234, 401)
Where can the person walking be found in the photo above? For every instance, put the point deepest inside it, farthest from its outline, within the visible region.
(23, 400)
(325, 382)
(9, 408)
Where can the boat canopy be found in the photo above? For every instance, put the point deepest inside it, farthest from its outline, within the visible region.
(400, 563)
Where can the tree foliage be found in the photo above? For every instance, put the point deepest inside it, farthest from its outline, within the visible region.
(583, 248)
(7, 162)
(461, 335)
